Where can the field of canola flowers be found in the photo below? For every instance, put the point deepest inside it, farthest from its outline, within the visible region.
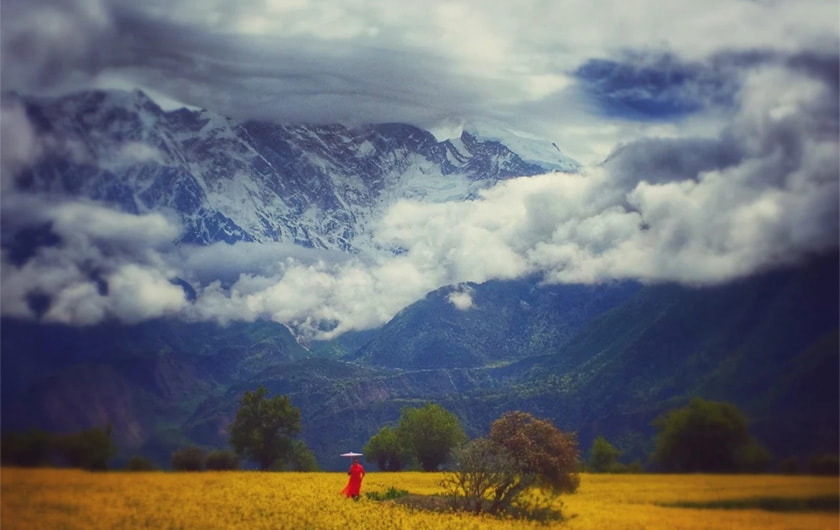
(71, 499)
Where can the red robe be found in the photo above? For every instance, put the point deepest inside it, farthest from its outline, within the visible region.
(354, 485)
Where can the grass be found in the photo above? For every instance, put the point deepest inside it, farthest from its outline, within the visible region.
(390, 494)
(824, 503)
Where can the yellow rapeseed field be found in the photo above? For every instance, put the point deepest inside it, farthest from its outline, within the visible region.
(70, 499)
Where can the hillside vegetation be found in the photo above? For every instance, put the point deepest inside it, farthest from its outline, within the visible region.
(598, 360)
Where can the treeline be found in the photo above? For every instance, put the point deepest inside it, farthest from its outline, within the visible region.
(705, 437)
(194, 458)
(87, 449)
(263, 433)
(492, 474)
(424, 436)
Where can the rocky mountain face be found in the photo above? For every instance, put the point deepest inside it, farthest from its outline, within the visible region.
(316, 186)
(599, 360)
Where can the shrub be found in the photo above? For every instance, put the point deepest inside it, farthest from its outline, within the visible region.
(189, 458)
(824, 464)
(28, 449)
(635, 467)
(486, 478)
(752, 457)
(789, 466)
(221, 460)
(89, 449)
(139, 463)
(390, 494)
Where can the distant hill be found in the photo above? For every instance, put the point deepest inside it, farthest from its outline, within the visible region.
(596, 359)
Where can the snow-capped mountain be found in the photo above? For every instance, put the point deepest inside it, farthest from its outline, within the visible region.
(318, 186)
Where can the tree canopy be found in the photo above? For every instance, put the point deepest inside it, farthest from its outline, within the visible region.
(542, 449)
(707, 436)
(264, 428)
(385, 449)
(429, 433)
(87, 449)
(603, 458)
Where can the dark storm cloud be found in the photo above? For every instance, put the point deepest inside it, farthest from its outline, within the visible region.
(771, 176)
(652, 86)
(539, 66)
(655, 88)
(659, 160)
(767, 123)
(270, 77)
(46, 42)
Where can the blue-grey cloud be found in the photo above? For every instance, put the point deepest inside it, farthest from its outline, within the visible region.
(656, 88)
(533, 65)
(723, 137)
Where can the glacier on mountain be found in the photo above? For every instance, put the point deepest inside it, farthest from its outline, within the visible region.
(316, 186)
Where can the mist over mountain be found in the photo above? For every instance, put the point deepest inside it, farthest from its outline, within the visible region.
(316, 186)
(597, 360)
(157, 264)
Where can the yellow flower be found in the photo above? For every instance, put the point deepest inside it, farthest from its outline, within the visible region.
(60, 498)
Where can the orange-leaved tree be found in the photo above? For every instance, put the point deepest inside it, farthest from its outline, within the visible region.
(522, 451)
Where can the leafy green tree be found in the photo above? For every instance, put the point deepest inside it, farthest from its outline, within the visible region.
(221, 460)
(386, 450)
(603, 457)
(89, 449)
(190, 458)
(707, 436)
(429, 433)
(302, 459)
(264, 428)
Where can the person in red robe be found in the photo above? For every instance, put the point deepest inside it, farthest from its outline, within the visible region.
(354, 485)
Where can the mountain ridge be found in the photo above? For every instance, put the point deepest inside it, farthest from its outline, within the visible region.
(316, 186)
(596, 359)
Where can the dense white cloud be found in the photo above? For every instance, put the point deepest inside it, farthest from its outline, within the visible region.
(100, 264)
(722, 138)
(462, 299)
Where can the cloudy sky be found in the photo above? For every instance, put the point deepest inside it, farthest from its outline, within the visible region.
(718, 122)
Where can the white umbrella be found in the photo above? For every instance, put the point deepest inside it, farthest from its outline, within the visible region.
(350, 454)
